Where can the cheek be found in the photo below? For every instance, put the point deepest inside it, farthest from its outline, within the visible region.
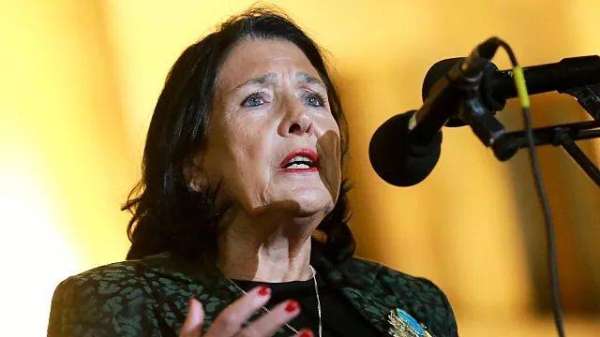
(251, 153)
(222, 154)
(245, 164)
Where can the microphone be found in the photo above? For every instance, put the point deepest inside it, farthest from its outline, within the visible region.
(399, 160)
(497, 86)
(406, 148)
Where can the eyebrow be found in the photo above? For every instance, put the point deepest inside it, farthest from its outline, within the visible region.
(271, 78)
(268, 77)
(304, 77)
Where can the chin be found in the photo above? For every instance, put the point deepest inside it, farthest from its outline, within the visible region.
(309, 201)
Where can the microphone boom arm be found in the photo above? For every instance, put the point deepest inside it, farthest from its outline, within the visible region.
(563, 135)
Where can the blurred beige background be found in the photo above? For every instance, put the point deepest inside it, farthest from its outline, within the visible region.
(80, 80)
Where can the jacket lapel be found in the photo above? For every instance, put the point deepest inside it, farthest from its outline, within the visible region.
(369, 307)
(360, 290)
(202, 280)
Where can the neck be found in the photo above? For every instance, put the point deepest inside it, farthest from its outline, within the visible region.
(267, 247)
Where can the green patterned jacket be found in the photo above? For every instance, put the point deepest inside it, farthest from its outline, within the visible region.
(149, 297)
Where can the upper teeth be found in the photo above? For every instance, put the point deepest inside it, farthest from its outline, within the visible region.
(299, 161)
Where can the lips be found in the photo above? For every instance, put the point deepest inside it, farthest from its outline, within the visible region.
(300, 161)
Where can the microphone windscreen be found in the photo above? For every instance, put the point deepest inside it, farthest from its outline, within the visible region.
(395, 159)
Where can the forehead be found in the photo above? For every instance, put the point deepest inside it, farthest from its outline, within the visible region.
(257, 57)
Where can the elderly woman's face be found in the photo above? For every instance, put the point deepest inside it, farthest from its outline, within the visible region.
(272, 140)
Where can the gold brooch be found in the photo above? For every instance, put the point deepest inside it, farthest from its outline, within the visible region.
(404, 325)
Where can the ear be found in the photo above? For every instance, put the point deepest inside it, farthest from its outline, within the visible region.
(194, 174)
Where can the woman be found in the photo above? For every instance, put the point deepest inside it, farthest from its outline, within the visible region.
(239, 223)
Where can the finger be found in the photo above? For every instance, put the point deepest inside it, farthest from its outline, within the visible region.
(230, 320)
(192, 326)
(304, 333)
(268, 324)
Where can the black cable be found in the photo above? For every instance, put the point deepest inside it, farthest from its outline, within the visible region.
(542, 196)
(549, 224)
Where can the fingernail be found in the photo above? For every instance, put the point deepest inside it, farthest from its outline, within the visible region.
(306, 333)
(264, 291)
(291, 306)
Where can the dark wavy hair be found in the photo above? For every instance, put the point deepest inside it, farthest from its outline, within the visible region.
(167, 215)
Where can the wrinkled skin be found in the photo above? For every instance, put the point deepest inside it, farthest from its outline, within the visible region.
(266, 106)
(269, 102)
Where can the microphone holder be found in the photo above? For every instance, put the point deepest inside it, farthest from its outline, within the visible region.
(563, 135)
(482, 121)
(465, 79)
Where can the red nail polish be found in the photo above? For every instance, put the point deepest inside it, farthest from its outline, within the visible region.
(291, 306)
(306, 333)
(264, 291)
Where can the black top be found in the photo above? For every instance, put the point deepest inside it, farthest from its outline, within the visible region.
(338, 316)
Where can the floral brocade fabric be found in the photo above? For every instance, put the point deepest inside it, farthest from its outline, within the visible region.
(149, 297)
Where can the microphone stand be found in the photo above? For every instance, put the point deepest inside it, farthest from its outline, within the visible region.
(565, 135)
(477, 107)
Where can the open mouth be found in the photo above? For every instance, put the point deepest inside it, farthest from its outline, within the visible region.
(301, 160)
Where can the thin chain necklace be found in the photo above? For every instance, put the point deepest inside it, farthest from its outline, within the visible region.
(294, 330)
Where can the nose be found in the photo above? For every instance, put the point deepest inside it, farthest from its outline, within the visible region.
(295, 121)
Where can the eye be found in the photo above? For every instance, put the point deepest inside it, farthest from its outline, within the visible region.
(254, 100)
(315, 100)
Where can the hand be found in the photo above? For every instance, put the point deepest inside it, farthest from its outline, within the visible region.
(229, 322)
